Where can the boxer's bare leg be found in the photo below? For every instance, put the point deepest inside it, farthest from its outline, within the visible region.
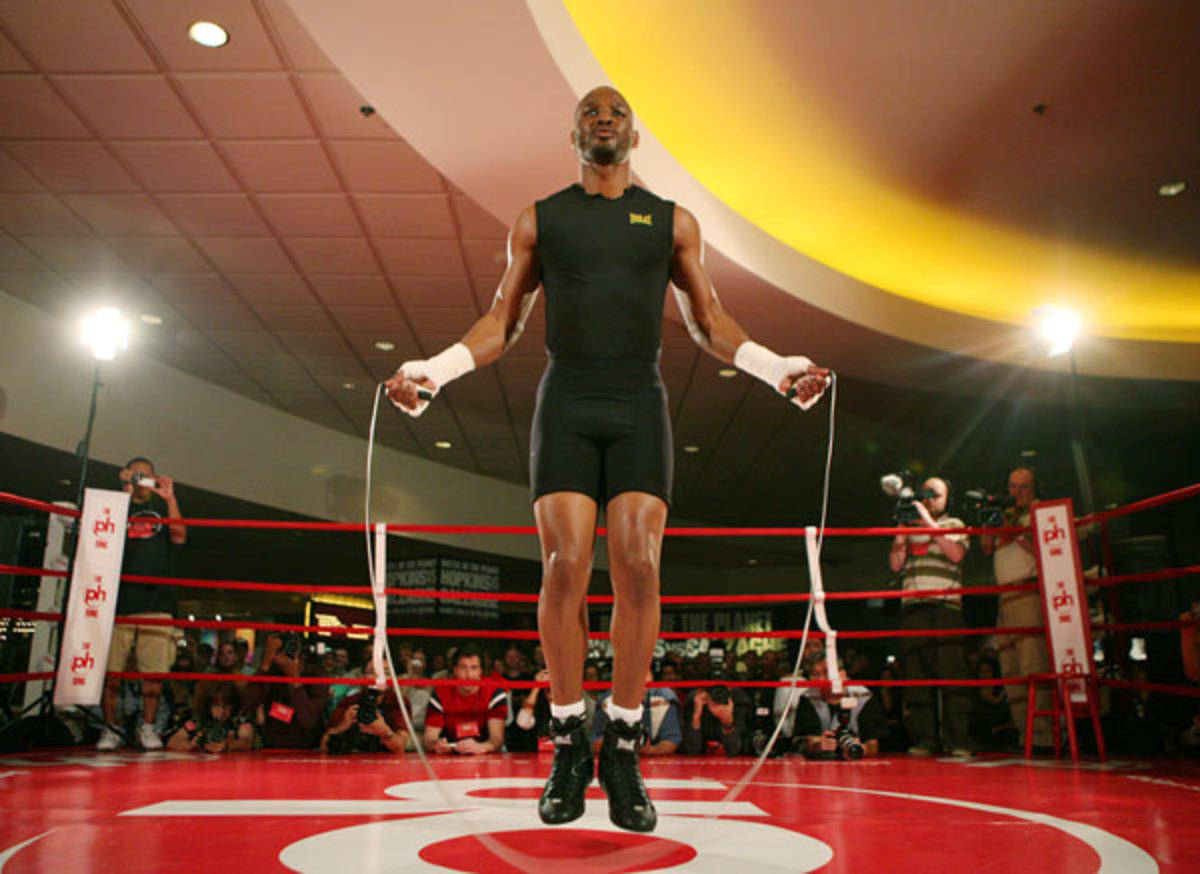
(635, 526)
(566, 524)
(567, 527)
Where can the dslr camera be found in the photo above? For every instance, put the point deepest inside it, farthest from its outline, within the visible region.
(716, 656)
(900, 487)
(212, 732)
(290, 643)
(368, 705)
(848, 743)
(763, 726)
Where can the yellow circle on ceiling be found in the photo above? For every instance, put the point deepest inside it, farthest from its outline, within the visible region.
(764, 148)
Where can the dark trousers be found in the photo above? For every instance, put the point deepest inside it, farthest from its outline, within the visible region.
(941, 658)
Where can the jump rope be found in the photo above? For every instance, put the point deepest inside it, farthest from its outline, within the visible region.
(815, 538)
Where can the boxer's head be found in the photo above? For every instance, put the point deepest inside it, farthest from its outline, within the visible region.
(603, 133)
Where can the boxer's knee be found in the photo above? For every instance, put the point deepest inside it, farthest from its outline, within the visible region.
(634, 566)
(565, 573)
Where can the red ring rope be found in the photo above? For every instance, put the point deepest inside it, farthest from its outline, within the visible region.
(1138, 506)
(776, 597)
(9, 498)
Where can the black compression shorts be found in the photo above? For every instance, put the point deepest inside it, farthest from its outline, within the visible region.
(601, 427)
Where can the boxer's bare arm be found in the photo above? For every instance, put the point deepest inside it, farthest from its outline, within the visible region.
(713, 329)
(723, 334)
(487, 337)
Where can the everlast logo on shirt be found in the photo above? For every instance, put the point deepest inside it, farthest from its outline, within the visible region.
(636, 218)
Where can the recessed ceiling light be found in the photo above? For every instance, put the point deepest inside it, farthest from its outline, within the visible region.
(443, 444)
(348, 386)
(1029, 453)
(691, 449)
(1170, 189)
(151, 319)
(727, 372)
(385, 345)
(208, 34)
(64, 482)
(752, 561)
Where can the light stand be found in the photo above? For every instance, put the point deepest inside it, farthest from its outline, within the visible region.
(105, 332)
(1087, 499)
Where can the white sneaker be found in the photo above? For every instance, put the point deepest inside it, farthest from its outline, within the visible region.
(148, 739)
(109, 741)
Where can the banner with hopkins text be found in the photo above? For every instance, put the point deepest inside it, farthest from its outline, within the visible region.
(92, 602)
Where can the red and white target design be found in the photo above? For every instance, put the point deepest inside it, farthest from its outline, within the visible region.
(266, 812)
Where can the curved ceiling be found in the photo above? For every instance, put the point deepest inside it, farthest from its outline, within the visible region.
(901, 184)
(903, 150)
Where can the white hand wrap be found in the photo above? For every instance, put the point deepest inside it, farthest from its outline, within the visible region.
(773, 369)
(446, 366)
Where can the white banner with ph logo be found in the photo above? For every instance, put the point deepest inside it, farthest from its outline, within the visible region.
(1064, 600)
(93, 598)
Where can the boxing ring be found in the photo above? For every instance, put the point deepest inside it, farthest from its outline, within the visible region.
(303, 811)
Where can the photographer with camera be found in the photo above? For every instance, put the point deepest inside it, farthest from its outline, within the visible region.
(148, 551)
(1014, 561)
(217, 726)
(717, 718)
(927, 563)
(828, 728)
(661, 734)
(287, 715)
(367, 721)
(466, 720)
(522, 730)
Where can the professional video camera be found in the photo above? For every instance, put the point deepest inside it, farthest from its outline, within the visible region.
(989, 509)
(899, 486)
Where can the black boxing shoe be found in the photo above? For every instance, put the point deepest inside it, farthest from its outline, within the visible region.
(629, 806)
(571, 773)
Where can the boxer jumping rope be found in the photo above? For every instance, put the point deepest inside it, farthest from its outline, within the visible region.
(605, 251)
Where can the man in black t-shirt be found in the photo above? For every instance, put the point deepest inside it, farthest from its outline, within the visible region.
(148, 545)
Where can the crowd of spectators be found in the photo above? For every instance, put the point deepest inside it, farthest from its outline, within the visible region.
(680, 718)
(353, 716)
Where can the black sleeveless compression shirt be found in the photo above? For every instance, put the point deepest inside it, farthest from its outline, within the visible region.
(605, 267)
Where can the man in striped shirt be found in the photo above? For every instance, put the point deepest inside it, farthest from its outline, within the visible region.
(931, 563)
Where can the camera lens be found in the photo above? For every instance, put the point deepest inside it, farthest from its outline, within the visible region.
(368, 706)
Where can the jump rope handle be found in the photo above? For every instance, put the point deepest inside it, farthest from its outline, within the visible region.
(791, 392)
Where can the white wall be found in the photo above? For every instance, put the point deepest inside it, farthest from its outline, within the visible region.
(209, 437)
